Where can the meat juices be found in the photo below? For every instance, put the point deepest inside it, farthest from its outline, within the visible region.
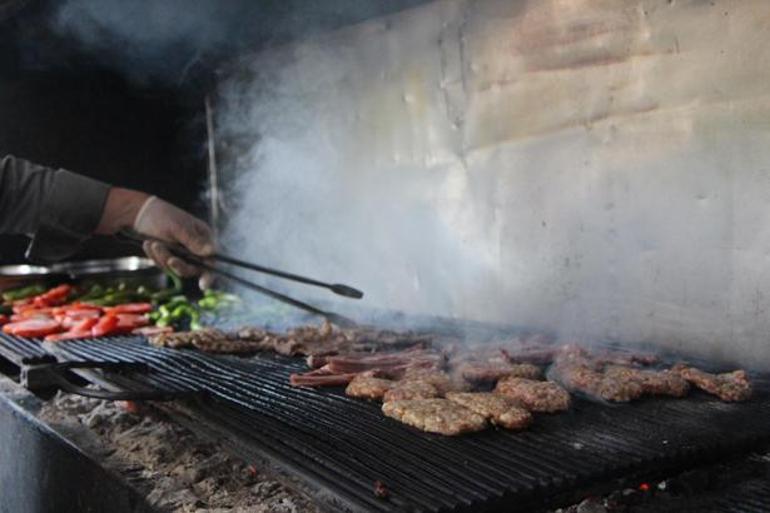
(440, 416)
(729, 386)
(538, 396)
(367, 386)
(499, 409)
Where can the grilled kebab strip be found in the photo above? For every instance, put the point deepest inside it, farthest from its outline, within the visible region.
(492, 371)
(321, 378)
(663, 382)
(730, 386)
(499, 409)
(440, 416)
(537, 396)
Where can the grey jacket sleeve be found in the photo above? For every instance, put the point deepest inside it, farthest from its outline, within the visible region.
(57, 208)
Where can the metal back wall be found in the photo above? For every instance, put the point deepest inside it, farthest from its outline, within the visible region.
(342, 446)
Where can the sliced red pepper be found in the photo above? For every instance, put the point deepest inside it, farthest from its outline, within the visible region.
(133, 320)
(33, 328)
(67, 335)
(106, 325)
(83, 307)
(54, 297)
(129, 308)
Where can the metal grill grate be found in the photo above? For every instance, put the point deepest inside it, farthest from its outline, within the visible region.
(343, 446)
(22, 351)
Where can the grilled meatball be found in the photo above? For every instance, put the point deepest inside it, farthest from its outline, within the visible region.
(619, 387)
(500, 410)
(539, 396)
(440, 416)
(366, 386)
(442, 381)
(408, 390)
(730, 386)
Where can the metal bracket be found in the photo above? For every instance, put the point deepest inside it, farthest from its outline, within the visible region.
(36, 377)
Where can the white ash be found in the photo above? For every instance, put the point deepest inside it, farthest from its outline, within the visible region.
(178, 472)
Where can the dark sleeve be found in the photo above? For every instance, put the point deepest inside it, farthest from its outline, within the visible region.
(57, 208)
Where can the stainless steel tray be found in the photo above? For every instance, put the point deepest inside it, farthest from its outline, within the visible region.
(132, 269)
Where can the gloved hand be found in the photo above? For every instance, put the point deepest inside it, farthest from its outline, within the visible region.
(162, 220)
(153, 217)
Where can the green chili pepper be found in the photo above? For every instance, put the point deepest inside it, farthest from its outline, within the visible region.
(24, 292)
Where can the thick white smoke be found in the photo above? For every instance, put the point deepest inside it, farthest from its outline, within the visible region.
(590, 168)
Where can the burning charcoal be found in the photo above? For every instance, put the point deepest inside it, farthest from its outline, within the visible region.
(380, 491)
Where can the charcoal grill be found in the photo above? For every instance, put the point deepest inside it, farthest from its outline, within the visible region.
(341, 447)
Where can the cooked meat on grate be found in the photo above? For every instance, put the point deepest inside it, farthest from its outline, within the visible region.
(729, 386)
(499, 409)
(407, 390)
(582, 378)
(187, 338)
(652, 382)
(491, 371)
(619, 357)
(252, 333)
(539, 396)
(368, 386)
(321, 378)
(440, 416)
(401, 360)
(443, 382)
(225, 346)
(529, 354)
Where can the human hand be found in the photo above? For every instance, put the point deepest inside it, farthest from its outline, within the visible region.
(158, 219)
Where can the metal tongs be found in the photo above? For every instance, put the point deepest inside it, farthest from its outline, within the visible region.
(184, 254)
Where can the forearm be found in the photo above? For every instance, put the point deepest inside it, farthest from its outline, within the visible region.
(120, 210)
(57, 208)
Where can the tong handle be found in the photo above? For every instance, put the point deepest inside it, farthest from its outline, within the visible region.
(181, 252)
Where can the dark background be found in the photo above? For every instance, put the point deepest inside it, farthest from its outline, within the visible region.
(128, 114)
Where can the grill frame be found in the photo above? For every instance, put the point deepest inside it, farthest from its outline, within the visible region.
(428, 472)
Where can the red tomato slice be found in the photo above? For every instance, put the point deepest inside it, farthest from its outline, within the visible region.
(130, 308)
(148, 331)
(106, 325)
(33, 328)
(4, 320)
